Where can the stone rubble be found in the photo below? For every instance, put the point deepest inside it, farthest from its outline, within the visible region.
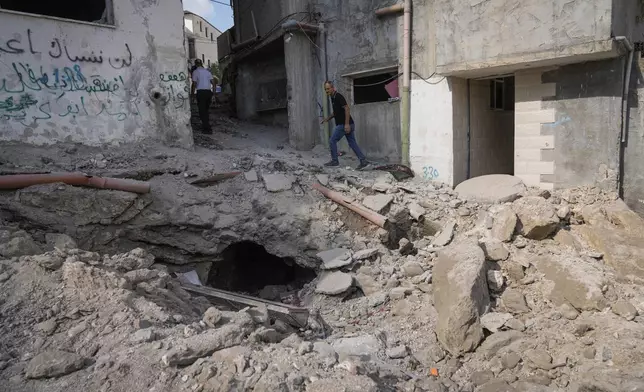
(489, 287)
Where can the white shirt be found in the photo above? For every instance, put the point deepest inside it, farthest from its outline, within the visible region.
(202, 77)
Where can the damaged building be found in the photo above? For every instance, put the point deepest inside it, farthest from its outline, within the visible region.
(94, 72)
(544, 91)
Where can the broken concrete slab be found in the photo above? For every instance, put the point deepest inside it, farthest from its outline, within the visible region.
(60, 241)
(618, 233)
(334, 283)
(576, 282)
(365, 254)
(365, 346)
(514, 301)
(537, 217)
(624, 309)
(446, 235)
(335, 258)
(497, 341)
(495, 188)
(378, 202)
(494, 249)
(367, 284)
(505, 223)
(460, 296)
(494, 321)
(277, 182)
(251, 176)
(54, 363)
(323, 179)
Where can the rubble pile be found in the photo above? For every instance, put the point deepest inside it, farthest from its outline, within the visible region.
(491, 286)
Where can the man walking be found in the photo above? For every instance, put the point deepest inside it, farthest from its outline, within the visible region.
(202, 83)
(344, 127)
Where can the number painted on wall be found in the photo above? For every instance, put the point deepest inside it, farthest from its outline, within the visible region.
(430, 173)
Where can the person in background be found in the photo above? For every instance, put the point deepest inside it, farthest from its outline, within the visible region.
(344, 127)
(202, 85)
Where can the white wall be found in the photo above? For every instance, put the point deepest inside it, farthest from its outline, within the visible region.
(78, 82)
(431, 130)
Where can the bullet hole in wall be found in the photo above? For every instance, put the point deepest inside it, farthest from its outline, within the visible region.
(84, 10)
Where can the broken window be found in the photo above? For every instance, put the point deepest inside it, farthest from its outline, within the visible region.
(502, 93)
(372, 88)
(97, 11)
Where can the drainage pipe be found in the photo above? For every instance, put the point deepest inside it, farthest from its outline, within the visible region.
(390, 10)
(243, 44)
(406, 93)
(325, 100)
(372, 216)
(625, 94)
(24, 180)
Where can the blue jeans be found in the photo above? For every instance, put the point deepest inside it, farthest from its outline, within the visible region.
(338, 133)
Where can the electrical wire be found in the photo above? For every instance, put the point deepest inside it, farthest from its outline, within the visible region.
(221, 2)
(426, 80)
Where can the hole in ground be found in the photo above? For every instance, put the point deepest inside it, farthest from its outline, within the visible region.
(247, 267)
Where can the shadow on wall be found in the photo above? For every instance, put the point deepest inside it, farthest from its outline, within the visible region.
(632, 162)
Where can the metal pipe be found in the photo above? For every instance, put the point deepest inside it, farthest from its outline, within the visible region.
(344, 201)
(24, 180)
(406, 91)
(252, 15)
(624, 127)
(295, 25)
(325, 100)
(244, 44)
(390, 10)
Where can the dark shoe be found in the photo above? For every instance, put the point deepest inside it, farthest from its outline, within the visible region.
(332, 164)
(362, 165)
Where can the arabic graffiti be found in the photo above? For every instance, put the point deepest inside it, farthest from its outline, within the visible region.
(170, 77)
(175, 88)
(56, 50)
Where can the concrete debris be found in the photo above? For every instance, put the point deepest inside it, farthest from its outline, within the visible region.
(365, 254)
(504, 225)
(446, 235)
(494, 321)
(335, 258)
(460, 296)
(494, 250)
(251, 176)
(452, 293)
(378, 202)
(334, 283)
(625, 309)
(537, 217)
(495, 188)
(277, 182)
(54, 363)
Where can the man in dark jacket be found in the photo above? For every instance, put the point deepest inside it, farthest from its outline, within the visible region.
(344, 127)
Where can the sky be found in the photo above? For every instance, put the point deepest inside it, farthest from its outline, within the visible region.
(219, 15)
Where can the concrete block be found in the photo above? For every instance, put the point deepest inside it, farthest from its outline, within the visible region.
(527, 78)
(528, 106)
(547, 155)
(528, 155)
(537, 142)
(535, 93)
(529, 179)
(541, 116)
(527, 129)
(534, 167)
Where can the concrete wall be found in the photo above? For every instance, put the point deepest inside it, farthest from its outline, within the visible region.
(475, 35)
(491, 134)
(537, 137)
(634, 148)
(586, 125)
(63, 80)
(267, 14)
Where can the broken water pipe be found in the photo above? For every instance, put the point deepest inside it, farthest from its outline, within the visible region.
(371, 216)
(18, 181)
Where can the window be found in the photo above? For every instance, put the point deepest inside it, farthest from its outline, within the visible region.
(372, 88)
(192, 53)
(208, 63)
(206, 32)
(97, 11)
(203, 58)
(200, 27)
(212, 39)
(502, 93)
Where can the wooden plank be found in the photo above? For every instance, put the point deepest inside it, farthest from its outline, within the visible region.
(293, 315)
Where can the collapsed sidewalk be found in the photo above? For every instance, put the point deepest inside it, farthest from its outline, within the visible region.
(526, 291)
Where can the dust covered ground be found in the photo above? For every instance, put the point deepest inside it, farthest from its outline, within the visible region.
(532, 291)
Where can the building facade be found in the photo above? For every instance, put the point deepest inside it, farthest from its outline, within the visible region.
(549, 92)
(109, 72)
(201, 39)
